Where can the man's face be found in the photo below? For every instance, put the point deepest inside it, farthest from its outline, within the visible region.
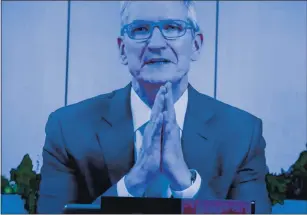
(157, 59)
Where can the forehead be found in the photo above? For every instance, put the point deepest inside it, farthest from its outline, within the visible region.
(156, 10)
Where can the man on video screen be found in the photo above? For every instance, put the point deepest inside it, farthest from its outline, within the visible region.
(158, 136)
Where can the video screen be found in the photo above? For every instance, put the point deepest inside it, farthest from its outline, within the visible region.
(199, 106)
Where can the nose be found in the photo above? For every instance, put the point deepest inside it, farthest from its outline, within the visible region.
(157, 41)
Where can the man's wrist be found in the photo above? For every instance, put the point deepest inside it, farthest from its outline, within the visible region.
(135, 182)
(191, 191)
(182, 180)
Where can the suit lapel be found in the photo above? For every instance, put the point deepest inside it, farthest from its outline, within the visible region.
(198, 142)
(116, 135)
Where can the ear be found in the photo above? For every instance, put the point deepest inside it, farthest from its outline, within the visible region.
(197, 46)
(122, 52)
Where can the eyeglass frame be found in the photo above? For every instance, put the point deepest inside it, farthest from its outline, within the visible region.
(154, 24)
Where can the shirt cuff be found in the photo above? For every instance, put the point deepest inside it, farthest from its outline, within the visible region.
(122, 189)
(191, 191)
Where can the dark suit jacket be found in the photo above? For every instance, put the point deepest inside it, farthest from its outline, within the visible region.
(89, 147)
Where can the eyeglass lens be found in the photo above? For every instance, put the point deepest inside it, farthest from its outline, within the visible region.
(169, 29)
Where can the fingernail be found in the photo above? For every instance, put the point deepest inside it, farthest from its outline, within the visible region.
(162, 89)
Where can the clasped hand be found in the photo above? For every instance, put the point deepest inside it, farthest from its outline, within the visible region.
(161, 152)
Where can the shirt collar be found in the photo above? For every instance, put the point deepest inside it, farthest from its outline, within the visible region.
(141, 112)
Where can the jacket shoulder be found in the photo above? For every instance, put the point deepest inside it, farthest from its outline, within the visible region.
(231, 115)
(85, 109)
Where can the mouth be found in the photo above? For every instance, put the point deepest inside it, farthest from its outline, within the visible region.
(157, 61)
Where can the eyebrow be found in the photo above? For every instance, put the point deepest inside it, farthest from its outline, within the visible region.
(160, 18)
(144, 20)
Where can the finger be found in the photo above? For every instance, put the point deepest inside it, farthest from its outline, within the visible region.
(158, 104)
(165, 119)
(169, 103)
(157, 127)
(166, 122)
(153, 131)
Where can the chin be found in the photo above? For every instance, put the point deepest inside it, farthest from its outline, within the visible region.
(157, 80)
(160, 77)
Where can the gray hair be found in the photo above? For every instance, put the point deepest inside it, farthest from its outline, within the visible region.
(190, 4)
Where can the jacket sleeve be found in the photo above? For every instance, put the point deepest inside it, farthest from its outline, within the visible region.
(249, 183)
(60, 182)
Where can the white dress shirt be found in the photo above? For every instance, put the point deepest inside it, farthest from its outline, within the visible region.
(141, 114)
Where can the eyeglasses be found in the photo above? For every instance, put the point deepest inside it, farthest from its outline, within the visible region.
(170, 29)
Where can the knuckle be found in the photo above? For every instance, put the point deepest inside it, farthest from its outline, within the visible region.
(154, 138)
(152, 121)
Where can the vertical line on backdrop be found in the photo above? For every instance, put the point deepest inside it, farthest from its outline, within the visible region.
(216, 47)
(67, 50)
